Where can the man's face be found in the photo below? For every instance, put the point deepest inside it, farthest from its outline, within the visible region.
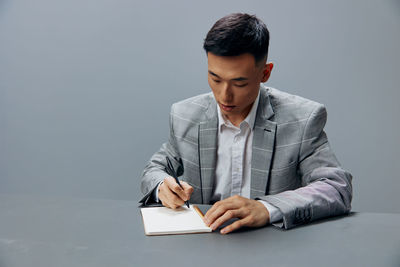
(235, 82)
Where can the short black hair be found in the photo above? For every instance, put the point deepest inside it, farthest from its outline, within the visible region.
(237, 34)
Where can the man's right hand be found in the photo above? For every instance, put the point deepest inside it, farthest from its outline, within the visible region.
(172, 195)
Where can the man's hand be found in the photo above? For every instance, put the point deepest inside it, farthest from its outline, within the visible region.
(172, 195)
(251, 213)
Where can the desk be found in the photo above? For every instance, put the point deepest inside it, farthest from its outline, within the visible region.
(56, 231)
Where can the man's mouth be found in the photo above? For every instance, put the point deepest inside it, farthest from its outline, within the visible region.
(227, 107)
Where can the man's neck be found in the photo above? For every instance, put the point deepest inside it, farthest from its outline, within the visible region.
(236, 120)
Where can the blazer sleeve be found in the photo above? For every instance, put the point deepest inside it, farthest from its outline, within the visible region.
(154, 172)
(326, 188)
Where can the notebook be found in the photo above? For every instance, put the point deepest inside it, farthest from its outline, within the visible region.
(166, 221)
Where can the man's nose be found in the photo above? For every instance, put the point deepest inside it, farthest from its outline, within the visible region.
(227, 94)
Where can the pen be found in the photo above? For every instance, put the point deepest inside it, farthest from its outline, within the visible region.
(171, 171)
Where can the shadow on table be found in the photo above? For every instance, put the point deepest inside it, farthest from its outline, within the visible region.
(324, 220)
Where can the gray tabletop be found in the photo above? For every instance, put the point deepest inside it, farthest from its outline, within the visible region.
(56, 231)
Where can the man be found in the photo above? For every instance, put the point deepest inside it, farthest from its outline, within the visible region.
(257, 154)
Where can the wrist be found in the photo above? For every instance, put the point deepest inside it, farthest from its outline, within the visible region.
(265, 211)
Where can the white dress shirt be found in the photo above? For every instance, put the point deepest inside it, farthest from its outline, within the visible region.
(233, 167)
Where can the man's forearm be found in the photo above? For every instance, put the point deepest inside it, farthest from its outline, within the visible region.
(328, 195)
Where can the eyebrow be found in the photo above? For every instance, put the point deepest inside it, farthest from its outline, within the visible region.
(238, 79)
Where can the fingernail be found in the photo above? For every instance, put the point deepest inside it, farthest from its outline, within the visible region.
(223, 231)
(213, 227)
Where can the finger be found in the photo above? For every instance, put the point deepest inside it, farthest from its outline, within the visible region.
(168, 198)
(234, 226)
(168, 203)
(173, 200)
(188, 189)
(233, 202)
(229, 214)
(218, 209)
(175, 187)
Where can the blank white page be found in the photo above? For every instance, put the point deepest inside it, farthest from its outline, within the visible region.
(165, 221)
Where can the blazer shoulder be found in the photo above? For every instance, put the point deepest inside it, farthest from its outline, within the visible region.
(193, 108)
(288, 107)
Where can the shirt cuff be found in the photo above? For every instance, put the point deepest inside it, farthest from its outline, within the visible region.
(275, 215)
(155, 192)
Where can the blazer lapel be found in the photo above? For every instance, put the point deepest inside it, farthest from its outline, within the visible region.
(208, 136)
(263, 146)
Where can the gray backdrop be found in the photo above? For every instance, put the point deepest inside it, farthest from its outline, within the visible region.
(86, 86)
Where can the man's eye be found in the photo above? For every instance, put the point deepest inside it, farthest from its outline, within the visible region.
(241, 85)
(216, 81)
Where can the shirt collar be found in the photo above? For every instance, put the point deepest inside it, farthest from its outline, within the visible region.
(250, 119)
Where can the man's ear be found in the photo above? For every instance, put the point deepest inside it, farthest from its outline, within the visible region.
(267, 71)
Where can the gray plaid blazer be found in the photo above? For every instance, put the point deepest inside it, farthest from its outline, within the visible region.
(292, 168)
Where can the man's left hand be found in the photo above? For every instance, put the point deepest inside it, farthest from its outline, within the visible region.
(251, 213)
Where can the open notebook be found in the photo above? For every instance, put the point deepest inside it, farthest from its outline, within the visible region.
(165, 221)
